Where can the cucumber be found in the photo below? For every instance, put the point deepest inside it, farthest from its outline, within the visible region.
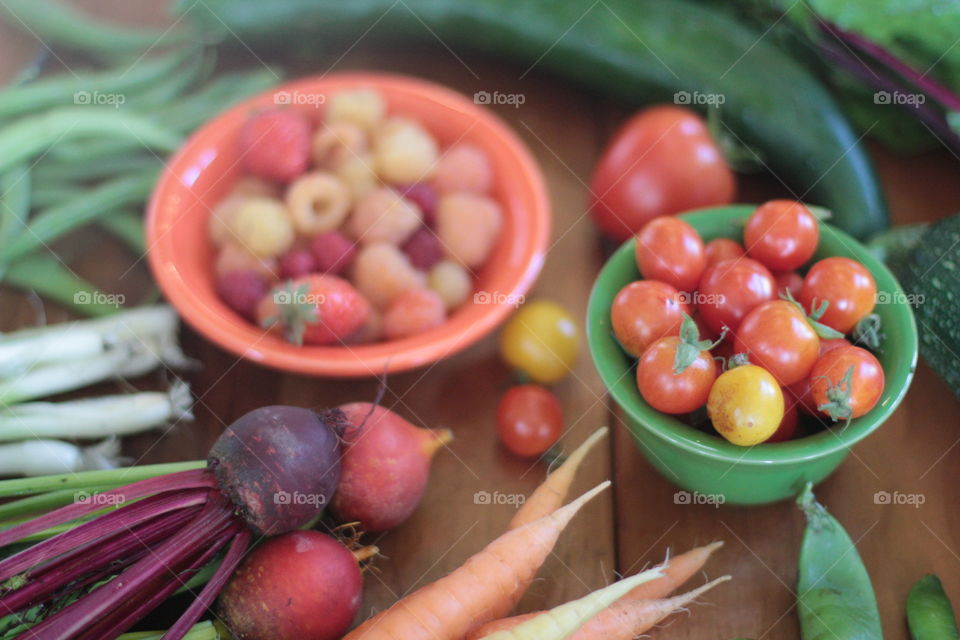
(641, 51)
(929, 275)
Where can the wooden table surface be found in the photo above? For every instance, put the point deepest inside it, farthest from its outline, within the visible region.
(916, 452)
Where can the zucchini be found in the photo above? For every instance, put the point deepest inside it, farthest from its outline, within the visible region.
(638, 50)
(929, 274)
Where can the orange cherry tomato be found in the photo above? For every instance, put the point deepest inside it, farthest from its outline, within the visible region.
(720, 249)
(529, 420)
(670, 250)
(662, 161)
(777, 336)
(672, 392)
(847, 382)
(729, 290)
(645, 311)
(848, 288)
(781, 234)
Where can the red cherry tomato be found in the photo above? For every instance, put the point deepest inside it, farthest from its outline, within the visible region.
(788, 282)
(731, 289)
(847, 398)
(800, 390)
(529, 420)
(644, 311)
(672, 392)
(662, 161)
(782, 234)
(670, 250)
(720, 249)
(788, 425)
(777, 336)
(848, 288)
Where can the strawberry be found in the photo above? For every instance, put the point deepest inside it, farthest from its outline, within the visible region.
(315, 309)
(275, 144)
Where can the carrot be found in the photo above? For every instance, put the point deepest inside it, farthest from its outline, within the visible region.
(550, 495)
(675, 572)
(485, 588)
(625, 619)
(563, 621)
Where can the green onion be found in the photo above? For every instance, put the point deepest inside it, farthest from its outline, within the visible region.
(45, 457)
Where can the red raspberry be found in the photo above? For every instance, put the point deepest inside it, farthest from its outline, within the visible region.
(296, 263)
(275, 144)
(315, 309)
(425, 196)
(332, 251)
(423, 249)
(242, 291)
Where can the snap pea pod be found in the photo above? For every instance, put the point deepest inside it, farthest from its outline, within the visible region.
(14, 202)
(834, 595)
(53, 222)
(61, 89)
(59, 24)
(638, 50)
(929, 614)
(28, 136)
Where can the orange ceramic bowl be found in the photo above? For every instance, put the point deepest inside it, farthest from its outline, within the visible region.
(202, 172)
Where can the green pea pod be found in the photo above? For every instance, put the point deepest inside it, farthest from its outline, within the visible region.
(929, 613)
(834, 595)
(641, 51)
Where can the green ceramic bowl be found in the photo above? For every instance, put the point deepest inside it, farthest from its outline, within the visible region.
(707, 464)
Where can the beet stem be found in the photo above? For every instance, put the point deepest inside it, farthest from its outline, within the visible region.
(193, 479)
(82, 614)
(122, 518)
(210, 591)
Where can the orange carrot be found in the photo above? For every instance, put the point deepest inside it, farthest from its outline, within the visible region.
(623, 620)
(550, 495)
(675, 572)
(485, 588)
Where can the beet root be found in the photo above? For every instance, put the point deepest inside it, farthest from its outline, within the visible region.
(279, 465)
(385, 466)
(303, 585)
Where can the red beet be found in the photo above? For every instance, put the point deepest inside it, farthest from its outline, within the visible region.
(332, 251)
(303, 585)
(384, 467)
(242, 291)
(296, 263)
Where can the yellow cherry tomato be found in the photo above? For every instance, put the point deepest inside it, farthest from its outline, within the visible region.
(541, 340)
(745, 405)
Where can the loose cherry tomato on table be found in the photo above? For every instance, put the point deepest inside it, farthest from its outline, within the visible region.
(675, 374)
(720, 249)
(788, 283)
(745, 405)
(529, 420)
(541, 340)
(781, 234)
(846, 383)
(645, 311)
(663, 161)
(729, 290)
(846, 286)
(800, 391)
(670, 250)
(777, 336)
